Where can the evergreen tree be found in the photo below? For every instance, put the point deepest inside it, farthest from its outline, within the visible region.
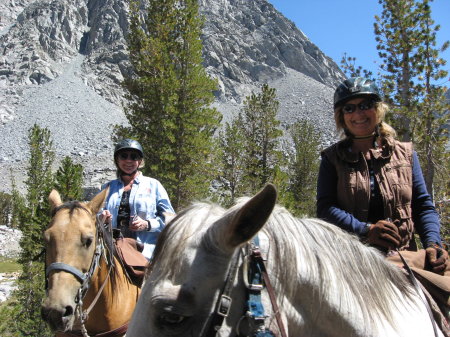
(169, 97)
(232, 151)
(6, 207)
(33, 218)
(261, 132)
(351, 69)
(18, 206)
(303, 168)
(406, 40)
(69, 180)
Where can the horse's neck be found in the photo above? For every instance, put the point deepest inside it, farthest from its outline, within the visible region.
(116, 301)
(317, 299)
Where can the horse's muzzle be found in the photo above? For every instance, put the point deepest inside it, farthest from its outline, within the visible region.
(58, 319)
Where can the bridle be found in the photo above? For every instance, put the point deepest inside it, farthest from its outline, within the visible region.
(224, 301)
(84, 278)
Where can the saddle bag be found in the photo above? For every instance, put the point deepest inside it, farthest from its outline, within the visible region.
(132, 259)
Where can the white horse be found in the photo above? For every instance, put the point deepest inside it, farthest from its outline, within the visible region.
(326, 282)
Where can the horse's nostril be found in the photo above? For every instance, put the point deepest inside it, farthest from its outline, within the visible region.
(69, 311)
(44, 314)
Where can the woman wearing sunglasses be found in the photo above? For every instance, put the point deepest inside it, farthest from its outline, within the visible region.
(136, 204)
(372, 185)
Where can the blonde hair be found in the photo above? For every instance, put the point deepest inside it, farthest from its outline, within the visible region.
(381, 108)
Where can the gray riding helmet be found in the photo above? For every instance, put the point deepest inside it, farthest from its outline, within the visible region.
(128, 144)
(356, 87)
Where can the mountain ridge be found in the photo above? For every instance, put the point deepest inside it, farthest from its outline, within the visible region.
(63, 62)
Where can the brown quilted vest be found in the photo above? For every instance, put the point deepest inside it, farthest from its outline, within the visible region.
(392, 166)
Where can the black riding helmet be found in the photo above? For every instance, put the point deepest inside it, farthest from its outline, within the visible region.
(128, 144)
(355, 87)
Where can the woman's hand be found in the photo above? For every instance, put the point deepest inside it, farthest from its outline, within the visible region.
(106, 216)
(138, 224)
(384, 234)
(437, 257)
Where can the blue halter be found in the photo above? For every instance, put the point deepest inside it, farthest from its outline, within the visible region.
(255, 308)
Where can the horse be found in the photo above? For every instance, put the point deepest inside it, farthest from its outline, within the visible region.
(324, 281)
(88, 292)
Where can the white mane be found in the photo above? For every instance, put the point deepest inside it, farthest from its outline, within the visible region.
(337, 262)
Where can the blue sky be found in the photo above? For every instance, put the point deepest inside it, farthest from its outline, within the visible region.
(346, 26)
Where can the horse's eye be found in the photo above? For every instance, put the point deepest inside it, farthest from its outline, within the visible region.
(87, 242)
(169, 318)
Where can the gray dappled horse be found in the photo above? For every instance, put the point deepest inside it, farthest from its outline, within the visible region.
(326, 282)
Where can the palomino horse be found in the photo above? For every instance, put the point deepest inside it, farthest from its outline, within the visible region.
(325, 281)
(88, 292)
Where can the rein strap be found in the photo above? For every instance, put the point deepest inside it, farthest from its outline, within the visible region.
(416, 285)
(256, 255)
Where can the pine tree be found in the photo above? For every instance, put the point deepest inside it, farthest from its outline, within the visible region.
(303, 168)
(261, 132)
(351, 69)
(18, 206)
(69, 180)
(6, 207)
(169, 97)
(406, 40)
(33, 218)
(232, 152)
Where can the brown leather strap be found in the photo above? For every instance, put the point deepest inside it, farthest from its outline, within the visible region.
(113, 333)
(270, 291)
(415, 283)
(120, 331)
(88, 310)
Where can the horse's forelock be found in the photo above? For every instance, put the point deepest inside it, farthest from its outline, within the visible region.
(173, 239)
(71, 206)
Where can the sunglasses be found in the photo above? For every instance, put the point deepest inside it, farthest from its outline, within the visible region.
(125, 156)
(364, 105)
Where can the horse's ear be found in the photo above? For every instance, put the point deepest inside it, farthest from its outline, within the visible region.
(250, 218)
(55, 199)
(97, 202)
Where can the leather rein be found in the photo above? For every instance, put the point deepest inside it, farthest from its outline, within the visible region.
(419, 292)
(85, 280)
(224, 300)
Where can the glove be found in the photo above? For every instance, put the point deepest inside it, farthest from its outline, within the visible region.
(437, 257)
(384, 234)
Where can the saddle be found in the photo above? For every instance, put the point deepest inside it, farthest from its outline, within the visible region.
(135, 264)
(436, 287)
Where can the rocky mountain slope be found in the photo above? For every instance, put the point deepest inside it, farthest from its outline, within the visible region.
(10, 248)
(62, 62)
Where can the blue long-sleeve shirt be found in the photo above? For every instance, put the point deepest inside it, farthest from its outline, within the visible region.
(425, 217)
(148, 200)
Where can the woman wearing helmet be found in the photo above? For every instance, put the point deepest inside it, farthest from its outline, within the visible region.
(136, 204)
(372, 185)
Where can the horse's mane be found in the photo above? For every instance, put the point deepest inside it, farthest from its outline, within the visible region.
(338, 262)
(335, 260)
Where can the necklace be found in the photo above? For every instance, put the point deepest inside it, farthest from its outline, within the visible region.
(364, 137)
